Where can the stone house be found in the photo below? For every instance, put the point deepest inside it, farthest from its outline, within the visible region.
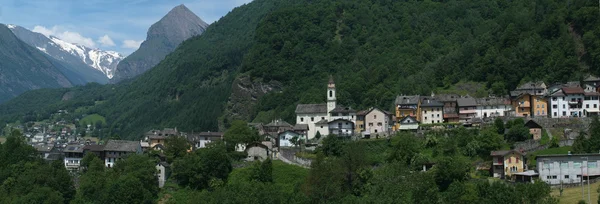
(117, 149)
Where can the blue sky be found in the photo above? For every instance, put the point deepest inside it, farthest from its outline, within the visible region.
(118, 25)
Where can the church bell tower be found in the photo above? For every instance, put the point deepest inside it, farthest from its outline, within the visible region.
(330, 95)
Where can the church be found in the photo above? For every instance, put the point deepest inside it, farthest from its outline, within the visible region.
(326, 118)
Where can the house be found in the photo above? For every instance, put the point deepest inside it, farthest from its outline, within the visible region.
(431, 111)
(374, 122)
(202, 139)
(155, 137)
(407, 106)
(276, 126)
(507, 162)
(257, 152)
(528, 100)
(341, 128)
(450, 109)
(592, 83)
(301, 129)
(408, 123)
(73, 156)
(98, 150)
(467, 109)
(574, 102)
(534, 129)
(44, 150)
(341, 112)
(38, 137)
(117, 149)
(284, 139)
(163, 171)
(317, 115)
(493, 107)
(567, 168)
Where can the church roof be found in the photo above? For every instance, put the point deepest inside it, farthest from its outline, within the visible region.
(311, 108)
(342, 109)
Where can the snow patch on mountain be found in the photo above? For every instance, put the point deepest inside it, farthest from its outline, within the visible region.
(42, 49)
(11, 26)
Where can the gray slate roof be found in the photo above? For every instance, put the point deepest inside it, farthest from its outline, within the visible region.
(464, 102)
(447, 97)
(311, 108)
(407, 100)
(301, 127)
(322, 122)
(591, 78)
(532, 85)
(492, 101)
(278, 123)
(430, 102)
(74, 148)
(342, 109)
(122, 146)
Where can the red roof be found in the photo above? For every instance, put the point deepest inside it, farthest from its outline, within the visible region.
(573, 90)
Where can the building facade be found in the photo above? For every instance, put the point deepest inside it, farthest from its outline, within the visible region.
(493, 107)
(73, 156)
(567, 168)
(431, 111)
(341, 128)
(507, 162)
(407, 106)
(573, 102)
(450, 108)
(467, 109)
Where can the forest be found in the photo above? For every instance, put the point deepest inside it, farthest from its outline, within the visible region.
(375, 50)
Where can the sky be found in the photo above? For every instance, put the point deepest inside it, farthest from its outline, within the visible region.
(117, 25)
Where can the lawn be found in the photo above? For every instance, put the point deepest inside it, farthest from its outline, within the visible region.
(573, 194)
(92, 119)
(285, 176)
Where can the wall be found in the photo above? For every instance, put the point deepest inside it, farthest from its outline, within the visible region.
(432, 115)
(306, 119)
(567, 169)
(512, 160)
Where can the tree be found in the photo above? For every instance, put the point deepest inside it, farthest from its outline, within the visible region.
(499, 124)
(262, 171)
(318, 135)
(404, 148)
(332, 146)
(450, 169)
(198, 169)
(176, 147)
(517, 133)
(240, 133)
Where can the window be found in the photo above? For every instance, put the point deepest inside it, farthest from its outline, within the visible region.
(554, 106)
(510, 160)
(438, 115)
(548, 177)
(587, 105)
(538, 106)
(554, 177)
(555, 114)
(312, 119)
(432, 115)
(578, 176)
(370, 124)
(543, 105)
(543, 112)
(301, 119)
(322, 118)
(425, 111)
(330, 93)
(425, 118)
(553, 98)
(538, 112)
(564, 113)
(374, 116)
(438, 121)
(595, 105)
(564, 106)
(378, 124)
(566, 176)
(587, 98)
(375, 130)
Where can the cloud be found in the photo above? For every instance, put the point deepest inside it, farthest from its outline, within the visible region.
(106, 41)
(68, 36)
(131, 44)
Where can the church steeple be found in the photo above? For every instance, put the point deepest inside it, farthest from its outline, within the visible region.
(330, 95)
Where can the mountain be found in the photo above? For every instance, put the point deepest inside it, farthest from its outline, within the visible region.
(162, 38)
(24, 68)
(262, 59)
(91, 65)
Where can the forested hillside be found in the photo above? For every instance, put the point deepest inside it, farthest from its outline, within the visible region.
(375, 49)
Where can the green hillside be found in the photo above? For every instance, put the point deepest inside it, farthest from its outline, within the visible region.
(375, 49)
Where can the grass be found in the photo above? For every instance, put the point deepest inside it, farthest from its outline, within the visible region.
(557, 132)
(92, 119)
(285, 176)
(558, 150)
(375, 149)
(573, 194)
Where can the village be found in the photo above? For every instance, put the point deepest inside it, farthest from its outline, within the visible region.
(533, 102)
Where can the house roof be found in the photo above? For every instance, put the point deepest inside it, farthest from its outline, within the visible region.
(342, 109)
(288, 131)
(94, 148)
(568, 155)
(407, 100)
(256, 144)
(156, 137)
(573, 90)
(532, 124)
(74, 148)
(591, 94)
(491, 101)
(322, 122)
(430, 102)
(44, 147)
(408, 117)
(122, 145)
(301, 127)
(211, 134)
(344, 120)
(505, 152)
(311, 108)
(467, 101)
(365, 112)
(278, 123)
(447, 97)
(591, 78)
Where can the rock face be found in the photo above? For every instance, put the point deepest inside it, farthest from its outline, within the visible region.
(24, 68)
(163, 37)
(90, 65)
(245, 95)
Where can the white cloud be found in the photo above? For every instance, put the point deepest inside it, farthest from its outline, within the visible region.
(69, 36)
(131, 44)
(106, 41)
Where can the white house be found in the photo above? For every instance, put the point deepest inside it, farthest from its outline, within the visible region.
(162, 169)
(257, 151)
(568, 168)
(573, 102)
(284, 139)
(493, 107)
(409, 123)
(377, 122)
(431, 111)
(201, 140)
(73, 156)
(316, 116)
(341, 127)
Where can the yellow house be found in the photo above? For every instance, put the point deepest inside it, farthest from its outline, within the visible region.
(407, 106)
(539, 106)
(528, 100)
(507, 162)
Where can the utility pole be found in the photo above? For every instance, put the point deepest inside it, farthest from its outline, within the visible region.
(588, 177)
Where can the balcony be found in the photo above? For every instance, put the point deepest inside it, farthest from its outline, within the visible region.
(574, 102)
(470, 111)
(450, 115)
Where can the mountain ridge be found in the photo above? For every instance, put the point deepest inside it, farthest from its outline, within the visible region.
(163, 37)
(80, 58)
